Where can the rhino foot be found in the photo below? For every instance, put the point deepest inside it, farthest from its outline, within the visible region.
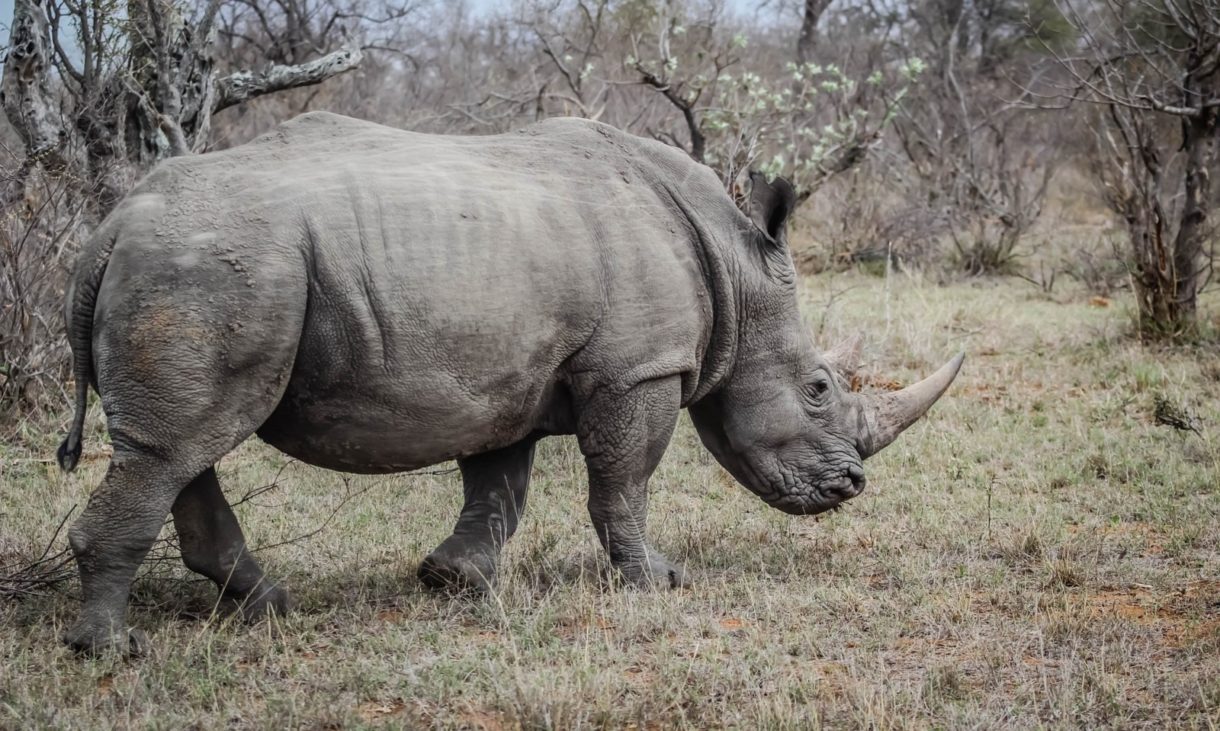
(456, 568)
(257, 605)
(656, 572)
(126, 642)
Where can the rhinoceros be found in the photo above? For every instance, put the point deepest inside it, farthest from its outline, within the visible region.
(372, 300)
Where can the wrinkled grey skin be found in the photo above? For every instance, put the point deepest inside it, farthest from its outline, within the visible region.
(372, 300)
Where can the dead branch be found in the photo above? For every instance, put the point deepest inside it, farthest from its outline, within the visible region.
(245, 85)
(21, 578)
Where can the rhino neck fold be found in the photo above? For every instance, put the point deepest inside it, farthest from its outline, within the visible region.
(768, 328)
(720, 271)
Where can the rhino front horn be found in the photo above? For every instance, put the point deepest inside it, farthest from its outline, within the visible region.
(887, 415)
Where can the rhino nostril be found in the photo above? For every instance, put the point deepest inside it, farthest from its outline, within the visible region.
(856, 474)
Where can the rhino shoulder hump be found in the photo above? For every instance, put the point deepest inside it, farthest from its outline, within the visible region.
(318, 128)
(317, 119)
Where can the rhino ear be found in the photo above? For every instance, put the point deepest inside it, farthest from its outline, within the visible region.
(770, 204)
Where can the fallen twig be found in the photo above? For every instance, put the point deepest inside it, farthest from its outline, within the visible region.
(20, 578)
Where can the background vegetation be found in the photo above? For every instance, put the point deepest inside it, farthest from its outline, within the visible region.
(1028, 180)
(924, 132)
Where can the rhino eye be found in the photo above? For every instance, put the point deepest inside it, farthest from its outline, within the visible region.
(818, 388)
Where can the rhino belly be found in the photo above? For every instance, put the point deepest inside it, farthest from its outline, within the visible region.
(377, 421)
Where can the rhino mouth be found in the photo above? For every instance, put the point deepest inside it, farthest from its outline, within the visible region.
(786, 489)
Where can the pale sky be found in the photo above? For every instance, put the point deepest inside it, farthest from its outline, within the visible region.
(6, 17)
(6, 11)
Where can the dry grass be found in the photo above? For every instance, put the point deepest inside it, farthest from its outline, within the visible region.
(1037, 553)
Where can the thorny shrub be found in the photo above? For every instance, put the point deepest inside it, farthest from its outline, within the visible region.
(38, 240)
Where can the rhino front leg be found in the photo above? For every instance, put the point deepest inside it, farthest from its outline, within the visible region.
(495, 485)
(623, 436)
(213, 545)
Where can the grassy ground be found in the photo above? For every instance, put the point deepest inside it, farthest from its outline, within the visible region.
(1038, 552)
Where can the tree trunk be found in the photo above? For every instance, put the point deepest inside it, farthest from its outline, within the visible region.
(1199, 143)
(27, 96)
(156, 103)
(807, 41)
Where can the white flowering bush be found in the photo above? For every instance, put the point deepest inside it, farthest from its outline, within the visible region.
(807, 123)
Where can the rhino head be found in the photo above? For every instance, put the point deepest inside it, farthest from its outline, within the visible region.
(784, 422)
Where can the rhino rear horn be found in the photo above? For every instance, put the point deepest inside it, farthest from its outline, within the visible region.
(844, 357)
(887, 415)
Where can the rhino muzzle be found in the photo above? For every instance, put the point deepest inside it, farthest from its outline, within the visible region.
(804, 494)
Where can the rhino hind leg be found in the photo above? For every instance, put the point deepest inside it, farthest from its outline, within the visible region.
(181, 387)
(109, 540)
(495, 485)
(114, 533)
(127, 512)
(213, 545)
(623, 436)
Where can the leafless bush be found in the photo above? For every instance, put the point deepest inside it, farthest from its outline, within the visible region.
(979, 160)
(999, 197)
(22, 576)
(1152, 68)
(1101, 268)
(37, 241)
(868, 215)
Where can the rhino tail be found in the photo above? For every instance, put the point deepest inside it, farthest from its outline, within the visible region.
(81, 300)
